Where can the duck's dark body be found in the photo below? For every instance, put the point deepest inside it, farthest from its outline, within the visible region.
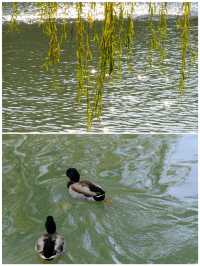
(50, 244)
(49, 248)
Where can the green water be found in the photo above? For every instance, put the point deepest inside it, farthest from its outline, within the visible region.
(150, 179)
(142, 100)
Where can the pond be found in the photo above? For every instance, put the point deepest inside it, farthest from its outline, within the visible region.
(142, 100)
(150, 182)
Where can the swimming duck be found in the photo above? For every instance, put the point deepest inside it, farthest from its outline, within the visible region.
(50, 245)
(83, 189)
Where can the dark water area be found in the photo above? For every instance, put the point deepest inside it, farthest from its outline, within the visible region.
(150, 180)
(142, 100)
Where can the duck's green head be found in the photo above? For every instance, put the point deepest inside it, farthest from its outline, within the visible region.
(73, 174)
(50, 225)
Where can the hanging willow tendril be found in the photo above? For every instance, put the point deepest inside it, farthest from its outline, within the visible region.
(48, 13)
(107, 43)
(13, 21)
(162, 30)
(183, 25)
(154, 41)
(120, 37)
(103, 46)
(158, 34)
(107, 59)
(130, 33)
(80, 55)
(64, 25)
(88, 57)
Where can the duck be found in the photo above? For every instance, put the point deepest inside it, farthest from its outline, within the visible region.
(50, 245)
(84, 189)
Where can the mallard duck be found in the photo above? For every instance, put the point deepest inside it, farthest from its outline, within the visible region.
(50, 244)
(83, 189)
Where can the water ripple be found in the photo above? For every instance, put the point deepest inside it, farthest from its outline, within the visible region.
(150, 180)
(142, 101)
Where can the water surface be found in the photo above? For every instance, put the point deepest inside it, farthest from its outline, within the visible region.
(142, 100)
(150, 179)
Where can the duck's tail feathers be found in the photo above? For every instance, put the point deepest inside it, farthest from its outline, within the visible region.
(99, 197)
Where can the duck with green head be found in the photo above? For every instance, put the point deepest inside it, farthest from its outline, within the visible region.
(50, 245)
(84, 189)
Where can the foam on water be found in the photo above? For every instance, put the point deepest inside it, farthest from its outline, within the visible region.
(30, 13)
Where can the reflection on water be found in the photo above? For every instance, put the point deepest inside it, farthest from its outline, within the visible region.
(29, 12)
(144, 100)
(151, 179)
